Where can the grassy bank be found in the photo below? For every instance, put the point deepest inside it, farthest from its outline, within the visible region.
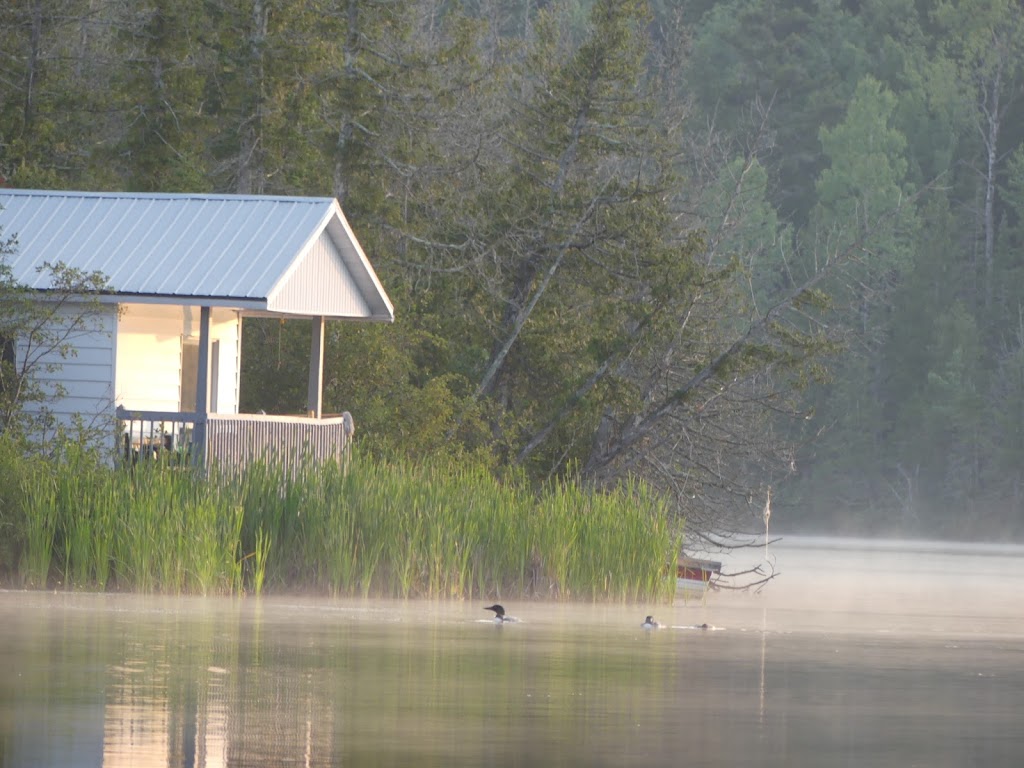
(379, 528)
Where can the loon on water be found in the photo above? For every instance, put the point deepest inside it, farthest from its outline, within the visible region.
(650, 623)
(499, 614)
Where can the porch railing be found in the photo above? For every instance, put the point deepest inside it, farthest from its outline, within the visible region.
(233, 441)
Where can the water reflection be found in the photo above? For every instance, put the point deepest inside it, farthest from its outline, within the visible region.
(117, 681)
(154, 716)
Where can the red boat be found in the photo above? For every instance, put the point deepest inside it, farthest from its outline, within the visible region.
(694, 575)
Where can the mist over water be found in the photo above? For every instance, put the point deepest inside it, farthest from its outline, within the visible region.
(862, 653)
(890, 585)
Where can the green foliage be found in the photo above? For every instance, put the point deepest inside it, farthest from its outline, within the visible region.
(163, 97)
(866, 225)
(865, 183)
(36, 336)
(15, 466)
(394, 379)
(374, 527)
(800, 61)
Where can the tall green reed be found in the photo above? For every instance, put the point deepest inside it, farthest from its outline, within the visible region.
(259, 568)
(39, 499)
(387, 527)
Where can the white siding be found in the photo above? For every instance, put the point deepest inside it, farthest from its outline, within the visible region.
(320, 284)
(87, 376)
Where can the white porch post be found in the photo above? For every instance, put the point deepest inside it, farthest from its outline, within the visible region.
(315, 397)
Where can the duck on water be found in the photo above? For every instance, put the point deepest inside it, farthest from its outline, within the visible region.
(499, 614)
(650, 623)
(500, 617)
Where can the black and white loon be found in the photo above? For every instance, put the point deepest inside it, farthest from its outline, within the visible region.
(650, 623)
(499, 614)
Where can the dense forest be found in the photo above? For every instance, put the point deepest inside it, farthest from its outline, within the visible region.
(720, 246)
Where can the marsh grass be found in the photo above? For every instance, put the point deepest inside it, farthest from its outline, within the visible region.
(39, 497)
(393, 528)
(259, 560)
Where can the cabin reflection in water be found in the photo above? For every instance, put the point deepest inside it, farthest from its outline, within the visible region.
(136, 721)
(152, 718)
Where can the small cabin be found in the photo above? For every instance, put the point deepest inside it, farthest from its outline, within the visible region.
(162, 361)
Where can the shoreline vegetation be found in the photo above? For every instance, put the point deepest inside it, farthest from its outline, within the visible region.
(437, 529)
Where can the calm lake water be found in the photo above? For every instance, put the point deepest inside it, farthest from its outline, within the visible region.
(857, 654)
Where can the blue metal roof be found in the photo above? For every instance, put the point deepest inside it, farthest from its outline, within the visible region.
(252, 252)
